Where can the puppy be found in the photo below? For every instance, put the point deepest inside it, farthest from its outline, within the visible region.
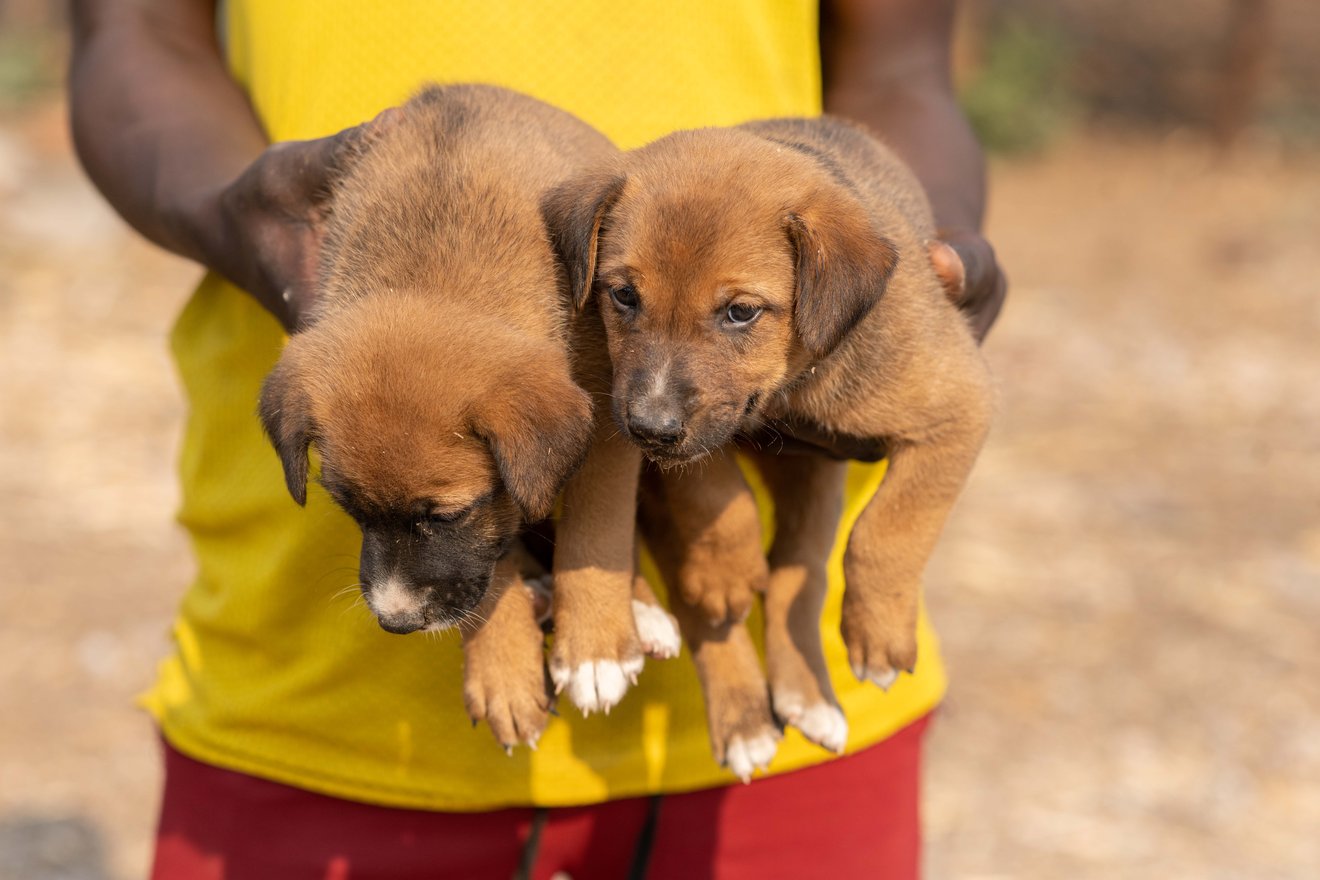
(439, 384)
(777, 274)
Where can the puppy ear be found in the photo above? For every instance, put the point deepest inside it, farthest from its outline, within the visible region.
(285, 411)
(538, 426)
(843, 265)
(573, 212)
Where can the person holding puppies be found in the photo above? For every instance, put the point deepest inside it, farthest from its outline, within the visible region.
(301, 739)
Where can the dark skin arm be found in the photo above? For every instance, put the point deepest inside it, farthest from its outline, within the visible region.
(171, 141)
(887, 65)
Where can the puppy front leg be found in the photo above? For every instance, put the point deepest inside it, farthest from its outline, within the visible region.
(808, 494)
(890, 544)
(504, 680)
(713, 514)
(597, 654)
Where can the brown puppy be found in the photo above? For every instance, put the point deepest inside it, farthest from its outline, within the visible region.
(437, 382)
(778, 272)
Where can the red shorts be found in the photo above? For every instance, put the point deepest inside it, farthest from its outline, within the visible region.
(852, 817)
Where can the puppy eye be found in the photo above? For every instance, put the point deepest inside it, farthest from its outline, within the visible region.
(741, 314)
(625, 296)
(426, 525)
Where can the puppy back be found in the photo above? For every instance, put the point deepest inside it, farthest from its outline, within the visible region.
(445, 198)
(860, 162)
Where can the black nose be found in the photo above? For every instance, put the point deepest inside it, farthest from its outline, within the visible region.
(399, 627)
(655, 421)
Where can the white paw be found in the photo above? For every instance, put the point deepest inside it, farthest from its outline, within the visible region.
(883, 678)
(824, 725)
(657, 630)
(597, 686)
(746, 756)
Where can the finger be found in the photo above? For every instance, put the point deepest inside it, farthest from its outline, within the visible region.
(989, 313)
(308, 169)
(349, 145)
(979, 269)
(985, 287)
(948, 268)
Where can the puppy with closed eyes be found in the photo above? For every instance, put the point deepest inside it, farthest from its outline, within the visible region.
(777, 273)
(446, 388)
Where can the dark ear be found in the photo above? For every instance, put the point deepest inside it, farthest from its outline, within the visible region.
(843, 265)
(285, 412)
(573, 212)
(538, 425)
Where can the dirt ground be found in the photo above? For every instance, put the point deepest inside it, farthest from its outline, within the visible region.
(1128, 594)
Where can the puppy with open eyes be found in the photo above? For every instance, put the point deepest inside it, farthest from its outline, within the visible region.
(446, 387)
(777, 273)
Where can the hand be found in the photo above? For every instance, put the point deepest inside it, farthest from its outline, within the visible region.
(264, 231)
(965, 263)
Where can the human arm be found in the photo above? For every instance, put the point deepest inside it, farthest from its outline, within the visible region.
(886, 64)
(172, 142)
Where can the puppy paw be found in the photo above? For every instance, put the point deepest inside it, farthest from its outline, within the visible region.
(593, 673)
(515, 706)
(657, 629)
(743, 732)
(820, 722)
(880, 645)
(599, 685)
(723, 588)
(744, 755)
(597, 654)
(800, 690)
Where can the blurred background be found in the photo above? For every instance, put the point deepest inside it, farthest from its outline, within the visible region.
(1129, 592)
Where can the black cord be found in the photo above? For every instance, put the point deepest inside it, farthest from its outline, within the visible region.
(532, 847)
(641, 862)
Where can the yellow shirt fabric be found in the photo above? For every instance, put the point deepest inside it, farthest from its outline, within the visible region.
(278, 670)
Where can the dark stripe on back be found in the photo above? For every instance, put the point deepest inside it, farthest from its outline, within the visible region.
(825, 160)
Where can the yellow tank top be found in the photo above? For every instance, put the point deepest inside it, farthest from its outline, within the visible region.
(277, 670)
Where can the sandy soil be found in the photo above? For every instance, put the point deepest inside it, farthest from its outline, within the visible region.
(1128, 594)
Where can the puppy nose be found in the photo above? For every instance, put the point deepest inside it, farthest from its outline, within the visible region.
(400, 627)
(655, 421)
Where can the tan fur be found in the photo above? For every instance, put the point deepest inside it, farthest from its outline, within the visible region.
(707, 505)
(504, 657)
(737, 702)
(821, 228)
(439, 369)
(808, 491)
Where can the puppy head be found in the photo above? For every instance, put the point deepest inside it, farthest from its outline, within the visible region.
(723, 265)
(439, 437)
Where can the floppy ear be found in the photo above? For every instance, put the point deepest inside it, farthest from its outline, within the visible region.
(538, 426)
(573, 212)
(285, 412)
(843, 265)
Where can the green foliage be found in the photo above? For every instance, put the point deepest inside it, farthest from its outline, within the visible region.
(1019, 100)
(28, 67)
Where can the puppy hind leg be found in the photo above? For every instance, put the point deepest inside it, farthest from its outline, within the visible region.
(743, 733)
(808, 493)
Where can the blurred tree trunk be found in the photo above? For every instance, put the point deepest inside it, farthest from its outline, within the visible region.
(1246, 60)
